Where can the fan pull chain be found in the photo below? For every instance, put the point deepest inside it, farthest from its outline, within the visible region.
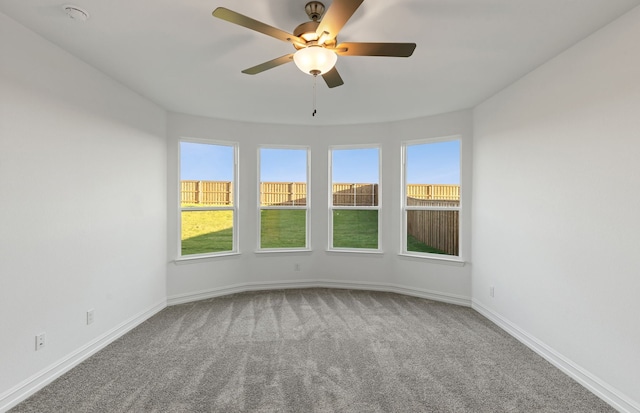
(314, 95)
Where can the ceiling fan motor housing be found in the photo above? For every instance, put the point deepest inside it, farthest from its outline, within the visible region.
(307, 31)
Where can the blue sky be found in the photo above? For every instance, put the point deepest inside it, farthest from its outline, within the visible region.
(355, 165)
(433, 163)
(203, 162)
(283, 165)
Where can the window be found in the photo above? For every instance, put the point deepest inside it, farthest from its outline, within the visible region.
(284, 202)
(431, 198)
(354, 211)
(208, 204)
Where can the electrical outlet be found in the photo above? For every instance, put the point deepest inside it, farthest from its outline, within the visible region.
(40, 341)
(296, 267)
(90, 316)
(491, 291)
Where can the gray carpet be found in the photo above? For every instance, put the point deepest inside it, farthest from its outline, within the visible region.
(315, 350)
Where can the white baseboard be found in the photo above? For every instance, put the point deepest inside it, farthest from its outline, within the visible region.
(26, 388)
(351, 285)
(598, 387)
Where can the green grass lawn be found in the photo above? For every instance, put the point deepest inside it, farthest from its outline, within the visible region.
(355, 228)
(414, 245)
(283, 228)
(211, 231)
(206, 231)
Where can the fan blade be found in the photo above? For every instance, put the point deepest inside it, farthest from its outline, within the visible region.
(332, 78)
(269, 65)
(336, 16)
(244, 21)
(376, 49)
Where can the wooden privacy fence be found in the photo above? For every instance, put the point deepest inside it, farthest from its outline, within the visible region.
(434, 191)
(295, 193)
(283, 193)
(438, 229)
(216, 193)
(355, 194)
(435, 228)
(213, 193)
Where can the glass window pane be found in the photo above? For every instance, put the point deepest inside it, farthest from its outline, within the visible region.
(206, 174)
(433, 174)
(206, 231)
(283, 177)
(355, 176)
(283, 228)
(283, 183)
(354, 228)
(434, 232)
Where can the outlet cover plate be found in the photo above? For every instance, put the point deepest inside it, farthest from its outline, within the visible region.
(41, 340)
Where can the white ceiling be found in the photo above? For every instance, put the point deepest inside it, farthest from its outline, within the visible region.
(179, 56)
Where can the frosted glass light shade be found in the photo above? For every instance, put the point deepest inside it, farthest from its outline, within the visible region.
(315, 60)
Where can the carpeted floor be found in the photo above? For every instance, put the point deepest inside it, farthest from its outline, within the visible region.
(315, 350)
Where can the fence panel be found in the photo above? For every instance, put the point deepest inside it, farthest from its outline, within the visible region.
(283, 193)
(433, 191)
(354, 194)
(189, 192)
(206, 193)
(437, 229)
(444, 203)
(216, 193)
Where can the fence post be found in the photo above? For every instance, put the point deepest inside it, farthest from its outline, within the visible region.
(374, 194)
(355, 195)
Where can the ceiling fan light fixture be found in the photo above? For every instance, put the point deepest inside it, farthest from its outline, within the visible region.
(315, 60)
(310, 37)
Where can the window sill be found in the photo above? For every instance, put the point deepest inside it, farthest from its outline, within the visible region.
(281, 250)
(455, 261)
(198, 258)
(356, 251)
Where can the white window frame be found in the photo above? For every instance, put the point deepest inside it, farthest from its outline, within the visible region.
(332, 208)
(306, 208)
(403, 200)
(234, 207)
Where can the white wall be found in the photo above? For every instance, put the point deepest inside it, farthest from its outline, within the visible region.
(556, 219)
(203, 278)
(83, 208)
